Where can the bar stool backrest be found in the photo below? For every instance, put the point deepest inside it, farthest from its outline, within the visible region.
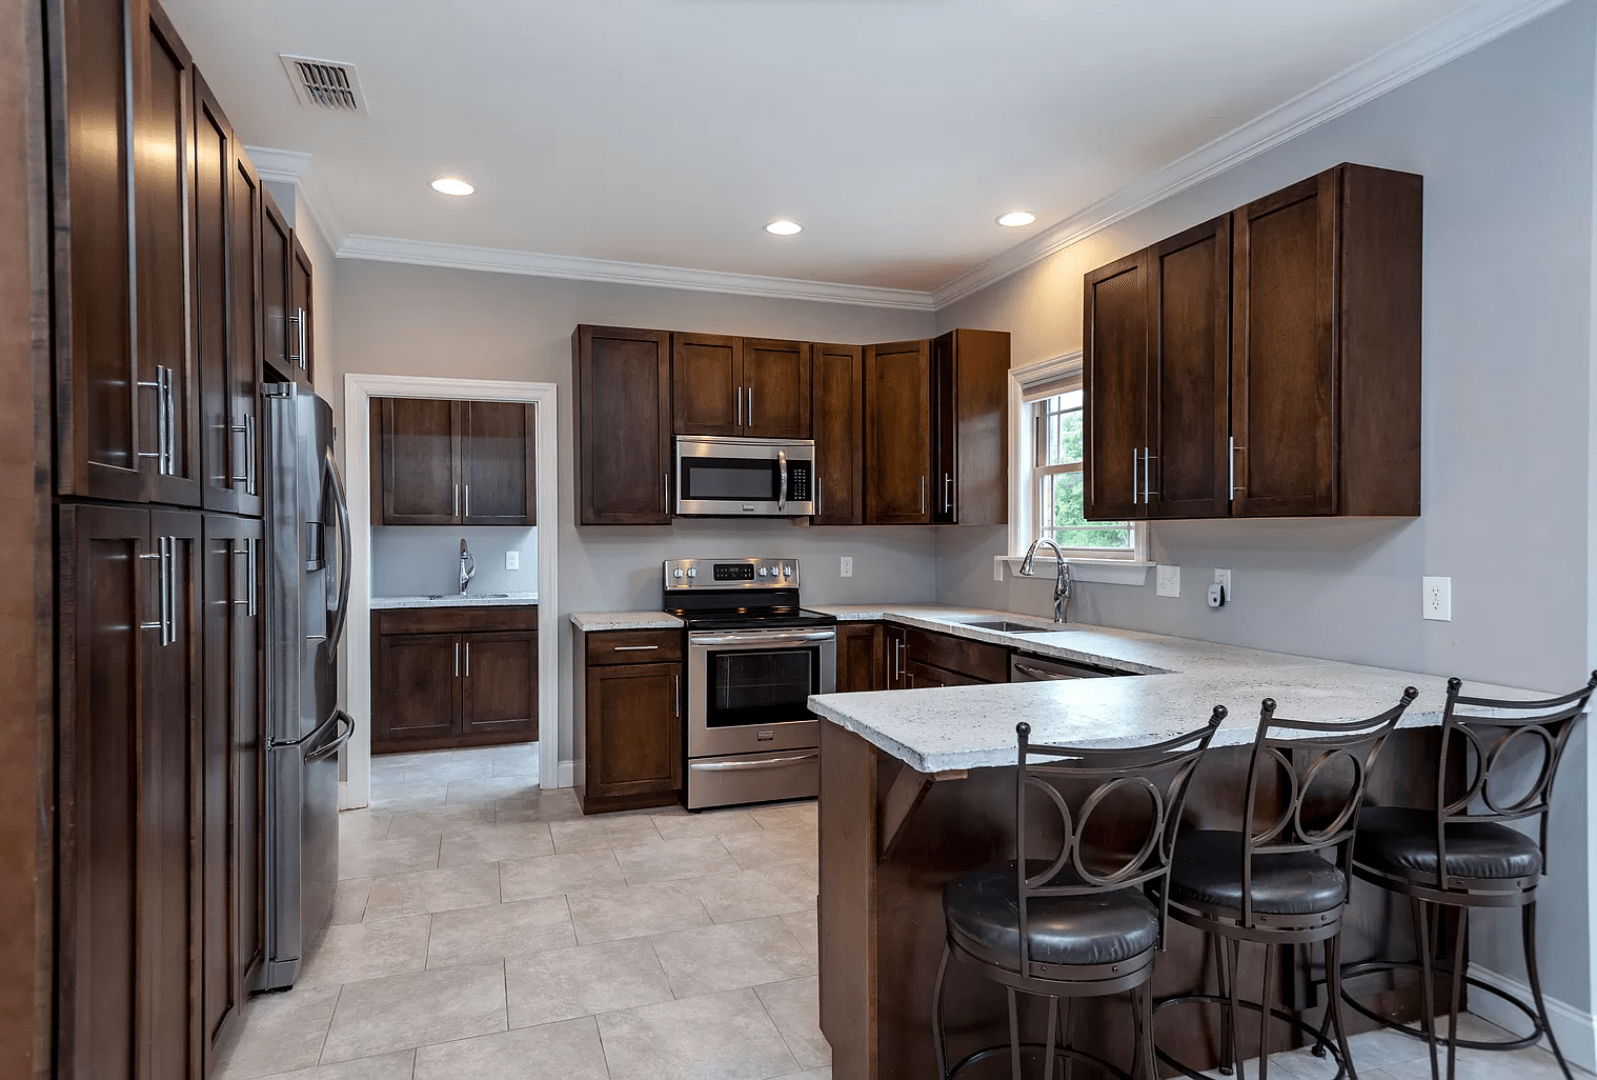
(1487, 728)
(1075, 783)
(1305, 755)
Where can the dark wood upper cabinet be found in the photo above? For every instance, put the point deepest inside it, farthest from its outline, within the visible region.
(838, 412)
(277, 246)
(623, 442)
(898, 433)
(497, 463)
(1266, 364)
(970, 449)
(439, 462)
(776, 381)
(707, 384)
(1115, 385)
(1189, 313)
(301, 317)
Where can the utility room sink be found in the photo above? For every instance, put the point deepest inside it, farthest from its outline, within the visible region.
(472, 596)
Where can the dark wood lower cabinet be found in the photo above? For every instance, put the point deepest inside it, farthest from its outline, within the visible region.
(861, 657)
(629, 719)
(894, 640)
(447, 677)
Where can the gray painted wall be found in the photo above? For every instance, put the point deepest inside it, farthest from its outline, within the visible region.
(409, 320)
(1504, 139)
(423, 560)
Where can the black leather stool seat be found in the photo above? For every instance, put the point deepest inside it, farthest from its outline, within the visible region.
(1402, 842)
(1101, 928)
(1207, 869)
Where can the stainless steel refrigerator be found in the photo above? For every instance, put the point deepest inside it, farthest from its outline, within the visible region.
(307, 597)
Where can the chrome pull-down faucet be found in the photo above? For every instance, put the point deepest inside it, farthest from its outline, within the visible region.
(468, 566)
(1061, 576)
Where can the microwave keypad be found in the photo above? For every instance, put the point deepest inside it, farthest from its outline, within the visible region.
(798, 481)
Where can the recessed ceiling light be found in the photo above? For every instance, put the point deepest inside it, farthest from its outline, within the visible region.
(784, 227)
(449, 185)
(1016, 218)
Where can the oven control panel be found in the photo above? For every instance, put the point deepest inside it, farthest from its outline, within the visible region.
(731, 574)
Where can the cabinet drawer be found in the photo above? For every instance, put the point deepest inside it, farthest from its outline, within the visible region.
(634, 646)
(974, 659)
(456, 620)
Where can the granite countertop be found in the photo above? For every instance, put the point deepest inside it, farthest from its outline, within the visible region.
(1180, 681)
(624, 620)
(454, 600)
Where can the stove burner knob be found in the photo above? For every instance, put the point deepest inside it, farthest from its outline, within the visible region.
(676, 574)
(693, 573)
(787, 571)
(762, 571)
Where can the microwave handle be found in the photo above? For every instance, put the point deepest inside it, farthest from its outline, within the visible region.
(781, 464)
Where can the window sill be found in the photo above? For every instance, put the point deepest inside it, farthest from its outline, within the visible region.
(1099, 571)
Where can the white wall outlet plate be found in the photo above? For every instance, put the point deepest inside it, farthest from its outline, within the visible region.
(1169, 582)
(512, 560)
(846, 567)
(1222, 578)
(1437, 598)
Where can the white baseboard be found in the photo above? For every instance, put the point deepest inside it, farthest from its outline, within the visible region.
(1576, 1030)
(568, 773)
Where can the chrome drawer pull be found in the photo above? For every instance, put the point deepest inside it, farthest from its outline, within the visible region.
(765, 763)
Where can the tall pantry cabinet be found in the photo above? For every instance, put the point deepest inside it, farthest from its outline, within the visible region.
(162, 292)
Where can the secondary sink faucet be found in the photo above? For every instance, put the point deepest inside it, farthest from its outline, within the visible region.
(468, 566)
(1061, 575)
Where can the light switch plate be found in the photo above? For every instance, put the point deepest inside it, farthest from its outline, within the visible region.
(846, 567)
(1169, 583)
(1437, 598)
(512, 560)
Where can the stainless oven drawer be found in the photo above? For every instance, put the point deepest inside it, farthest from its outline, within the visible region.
(752, 738)
(748, 778)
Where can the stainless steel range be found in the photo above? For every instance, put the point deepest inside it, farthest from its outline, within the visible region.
(754, 658)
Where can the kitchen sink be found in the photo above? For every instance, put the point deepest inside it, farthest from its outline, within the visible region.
(1006, 626)
(472, 596)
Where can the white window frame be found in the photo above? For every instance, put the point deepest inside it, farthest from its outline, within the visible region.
(1127, 567)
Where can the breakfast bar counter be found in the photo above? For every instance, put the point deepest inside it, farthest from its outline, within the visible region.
(918, 786)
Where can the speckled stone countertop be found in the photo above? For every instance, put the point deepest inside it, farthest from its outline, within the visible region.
(1179, 682)
(624, 620)
(455, 600)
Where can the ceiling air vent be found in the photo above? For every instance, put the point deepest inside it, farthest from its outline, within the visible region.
(324, 84)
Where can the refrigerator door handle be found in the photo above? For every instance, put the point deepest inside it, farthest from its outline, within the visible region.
(333, 747)
(341, 506)
(308, 740)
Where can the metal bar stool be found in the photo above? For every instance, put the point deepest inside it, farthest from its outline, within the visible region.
(1271, 882)
(1080, 925)
(1511, 751)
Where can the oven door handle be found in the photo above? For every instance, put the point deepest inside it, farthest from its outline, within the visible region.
(760, 763)
(762, 637)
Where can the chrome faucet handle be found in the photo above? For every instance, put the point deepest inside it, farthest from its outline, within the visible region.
(468, 565)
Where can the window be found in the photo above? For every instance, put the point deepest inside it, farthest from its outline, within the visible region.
(1056, 487)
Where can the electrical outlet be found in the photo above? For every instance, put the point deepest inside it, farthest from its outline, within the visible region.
(1437, 598)
(1222, 578)
(1169, 581)
(998, 569)
(846, 567)
(512, 560)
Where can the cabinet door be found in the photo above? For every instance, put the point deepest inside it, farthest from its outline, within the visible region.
(708, 390)
(898, 433)
(634, 729)
(838, 375)
(970, 446)
(213, 309)
(244, 443)
(776, 389)
(277, 244)
(232, 855)
(109, 591)
(1283, 366)
(496, 465)
(420, 481)
(500, 684)
(861, 659)
(101, 429)
(163, 187)
(418, 692)
(302, 317)
(1189, 302)
(623, 382)
(1115, 381)
(895, 641)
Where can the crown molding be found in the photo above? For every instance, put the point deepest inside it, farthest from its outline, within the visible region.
(571, 267)
(294, 167)
(1424, 51)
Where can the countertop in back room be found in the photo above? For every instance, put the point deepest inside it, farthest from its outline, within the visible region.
(454, 600)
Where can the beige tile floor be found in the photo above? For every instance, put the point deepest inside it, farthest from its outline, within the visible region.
(485, 929)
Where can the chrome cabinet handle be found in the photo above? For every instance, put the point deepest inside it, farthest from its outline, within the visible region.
(294, 340)
(737, 393)
(665, 491)
(1134, 456)
(171, 422)
(781, 493)
(761, 763)
(1147, 475)
(166, 589)
(456, 504)
(751, 406)
(466, 507)
(1231, 462)
(247, 553)
(457, 659)
(160, 624)
(898, 645)
(948, 493)
(820, 505)
(676, 695)
(468, 659)
(304, 344)
(165, 447)
(634, 648)
(923, 494)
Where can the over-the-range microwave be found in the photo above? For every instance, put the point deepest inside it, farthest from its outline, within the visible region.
(732, 477)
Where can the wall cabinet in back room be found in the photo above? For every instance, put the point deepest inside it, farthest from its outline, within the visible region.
(438, 462)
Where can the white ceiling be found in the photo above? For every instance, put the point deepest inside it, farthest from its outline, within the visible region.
(671, 131)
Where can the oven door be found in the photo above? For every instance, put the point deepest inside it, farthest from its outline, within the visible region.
(749, 690)
(744, 477)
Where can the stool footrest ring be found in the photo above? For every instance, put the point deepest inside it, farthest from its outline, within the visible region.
(1414, 1031)
(1035, 1051)
(1321, 1044)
